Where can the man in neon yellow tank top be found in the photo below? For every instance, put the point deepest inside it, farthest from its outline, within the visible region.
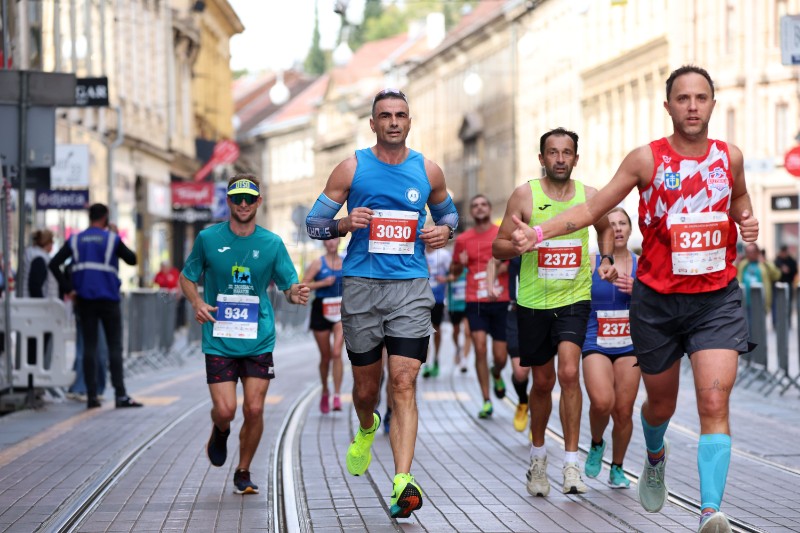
(553, 302)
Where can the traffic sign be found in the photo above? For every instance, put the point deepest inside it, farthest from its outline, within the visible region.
(791, 161)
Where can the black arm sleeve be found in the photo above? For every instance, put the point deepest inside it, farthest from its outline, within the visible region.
(125, 253)
(55, 263)
(36, 277)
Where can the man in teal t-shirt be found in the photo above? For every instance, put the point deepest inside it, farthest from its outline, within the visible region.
(239, 260)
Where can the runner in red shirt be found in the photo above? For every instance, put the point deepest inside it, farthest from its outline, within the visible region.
(487, 307)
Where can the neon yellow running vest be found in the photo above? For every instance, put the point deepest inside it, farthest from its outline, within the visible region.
(562, 276)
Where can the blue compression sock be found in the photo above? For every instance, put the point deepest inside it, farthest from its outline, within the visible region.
(713, 458)
(654, 436)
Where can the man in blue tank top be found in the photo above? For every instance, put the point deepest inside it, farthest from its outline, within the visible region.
(386, 299)
(237, 261)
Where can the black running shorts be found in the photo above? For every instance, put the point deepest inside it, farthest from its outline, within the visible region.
(665, 326)
(541, 330)
(220, 369)
(490, 317)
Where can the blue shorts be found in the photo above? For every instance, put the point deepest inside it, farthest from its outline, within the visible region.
(491, 317)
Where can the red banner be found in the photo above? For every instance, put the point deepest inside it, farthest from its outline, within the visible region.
(192, 194)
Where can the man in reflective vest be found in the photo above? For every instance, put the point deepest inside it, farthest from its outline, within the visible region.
(95, 254)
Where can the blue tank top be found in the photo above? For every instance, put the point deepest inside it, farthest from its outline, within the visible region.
(381, 186)
(606, 297)
(325, 271)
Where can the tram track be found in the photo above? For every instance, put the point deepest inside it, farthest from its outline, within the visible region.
(680, 500)
(76, 509)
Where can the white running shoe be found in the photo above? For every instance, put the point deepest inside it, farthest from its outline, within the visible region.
(538, 485)
(714, 523)
(573, 483)
(652, 487)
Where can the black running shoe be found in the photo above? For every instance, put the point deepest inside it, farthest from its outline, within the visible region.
(217, 448)
(241, 479)
(127, 401)
(93, 403)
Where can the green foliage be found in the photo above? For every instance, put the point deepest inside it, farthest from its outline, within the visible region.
(240, 73)
(383, 21)
(315, 62)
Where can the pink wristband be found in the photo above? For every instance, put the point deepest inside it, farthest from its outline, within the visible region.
(539, 234)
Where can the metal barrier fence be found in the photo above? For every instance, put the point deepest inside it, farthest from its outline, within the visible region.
(772, 369)
(150, 320)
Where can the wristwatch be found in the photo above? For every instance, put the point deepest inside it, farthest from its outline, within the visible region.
(609, 257)
(453, 233)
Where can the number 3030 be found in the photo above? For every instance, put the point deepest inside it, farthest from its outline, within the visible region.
(393, 232)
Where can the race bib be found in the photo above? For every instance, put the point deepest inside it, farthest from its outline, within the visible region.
(560, 259)
(459, 288)
(482, 281)
(332, 308)
(613, 329)
(237, 316)
(393, 232)
(698, 242)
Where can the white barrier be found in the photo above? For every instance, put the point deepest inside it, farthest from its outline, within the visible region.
(43, 343)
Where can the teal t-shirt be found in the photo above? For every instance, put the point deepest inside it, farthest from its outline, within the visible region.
(241, 266)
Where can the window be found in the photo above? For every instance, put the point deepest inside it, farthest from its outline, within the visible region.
(781, 9)
(729, 28)
(782, 134)
(730, 119)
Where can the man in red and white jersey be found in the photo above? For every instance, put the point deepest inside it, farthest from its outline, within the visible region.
(686, 298)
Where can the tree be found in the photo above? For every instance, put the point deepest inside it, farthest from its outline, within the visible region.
(315, 62)
(373, 9)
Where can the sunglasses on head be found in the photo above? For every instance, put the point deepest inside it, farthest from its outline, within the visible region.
(236, 199)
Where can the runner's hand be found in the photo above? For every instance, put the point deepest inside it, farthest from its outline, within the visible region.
(748, 227)
(359, 218)
(202, 313)
(298, 293)
(608, 272)
(523, 237)
(624, 283)
(435, 236)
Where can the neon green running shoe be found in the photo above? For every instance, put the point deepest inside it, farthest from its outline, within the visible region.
(359, 455)
(406, 496)
(487, 410)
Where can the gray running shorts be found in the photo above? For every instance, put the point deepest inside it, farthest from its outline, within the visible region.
(666, 326)
(373, 309)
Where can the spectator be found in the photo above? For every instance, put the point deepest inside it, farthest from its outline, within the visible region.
(3, 280)
(754, 270)
(167, 277)
(788, 267)
(95, 278)
(40, 282)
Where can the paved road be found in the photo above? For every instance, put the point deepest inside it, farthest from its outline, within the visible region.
(472, 471)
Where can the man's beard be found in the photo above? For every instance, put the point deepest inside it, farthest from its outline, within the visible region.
(240, 220)
(482, 220)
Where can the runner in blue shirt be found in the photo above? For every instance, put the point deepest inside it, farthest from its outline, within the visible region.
(386, 298)
(239, 260)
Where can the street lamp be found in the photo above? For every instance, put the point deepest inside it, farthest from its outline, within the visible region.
(473, 83)
(279, 93)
